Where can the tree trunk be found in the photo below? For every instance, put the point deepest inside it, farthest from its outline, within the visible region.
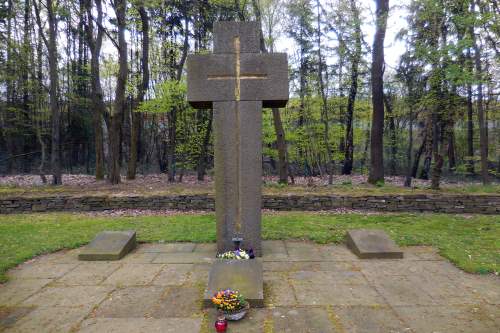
(324, 102)
(278, 125)
(51, 44)
(120, 103)
(356, 58)
(96, 90)
(452, 160)
(202, 160)
(392, 134)
(483, 139)
(410, 148)
(142, 89)
(377, 72)
(470, 122)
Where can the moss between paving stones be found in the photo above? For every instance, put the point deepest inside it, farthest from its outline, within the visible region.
(470, 242)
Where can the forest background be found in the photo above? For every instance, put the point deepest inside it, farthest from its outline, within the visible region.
(98, 87)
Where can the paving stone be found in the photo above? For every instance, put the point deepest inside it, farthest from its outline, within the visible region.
(301, 251)
(77, 296)
(173, 274)
(184, 301)
(279, 293)
(484, 287)
(311, 320)
(204, 247)
(376, 270)
(336, 253)
(59, 257)
(447, 319)
(443, 290)
(140, 258)
(50, 320)
(276, 266)
(109, 245)
(10, 315)
(274, 251)
(130, 302)
(369, 244)
(400, 290)
(329, 277)
(88, 274)
(199, 274)
(367, 319)
(184, 258)
(17, 290)
(309, 294)
(133, 275)
(242, 275)
(141, 325)
(40, 271)
(326, 266)
(166, 248)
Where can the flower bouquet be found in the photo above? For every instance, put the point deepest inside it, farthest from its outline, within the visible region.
(237, 254)
(231, 303)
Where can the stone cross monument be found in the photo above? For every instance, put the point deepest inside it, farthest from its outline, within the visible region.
(237, 81)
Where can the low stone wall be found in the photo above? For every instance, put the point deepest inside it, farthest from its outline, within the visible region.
(480, 204)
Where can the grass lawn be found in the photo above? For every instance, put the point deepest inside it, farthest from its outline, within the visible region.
(472, 243)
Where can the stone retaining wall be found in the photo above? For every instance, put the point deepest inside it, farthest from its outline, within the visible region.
(481, 204)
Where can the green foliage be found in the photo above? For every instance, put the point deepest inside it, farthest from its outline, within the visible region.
(169, 94)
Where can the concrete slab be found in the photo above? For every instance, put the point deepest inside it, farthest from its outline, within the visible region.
(173, 274)
(243, 275)
(109, 245)
(183, 301)
(368, 244)
(10, 315)
(366, 319)
(17, 290)
(79, 296)
(463, 319)
(141, 325)
(311, 320)
(133, 275)
(132, 302)
(90, 274)
(50, 319)
(40, 271)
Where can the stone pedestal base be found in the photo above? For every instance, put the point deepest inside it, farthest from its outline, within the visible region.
(109, 245)
(368, 244)
(244, 276)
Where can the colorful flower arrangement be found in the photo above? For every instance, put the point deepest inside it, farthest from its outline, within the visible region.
(238, 254)
(229, 301)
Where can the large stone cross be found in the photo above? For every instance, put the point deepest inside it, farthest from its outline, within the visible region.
(237, 81)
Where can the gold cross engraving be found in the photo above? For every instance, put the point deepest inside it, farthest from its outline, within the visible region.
(238, 76)
(237, 93)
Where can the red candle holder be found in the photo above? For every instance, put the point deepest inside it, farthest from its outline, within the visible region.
(221, 324)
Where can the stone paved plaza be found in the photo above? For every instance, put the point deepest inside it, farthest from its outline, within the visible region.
(308, 288)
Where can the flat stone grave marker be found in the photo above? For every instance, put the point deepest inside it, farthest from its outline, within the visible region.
(242, 275)
(109, 245)
(371, 243)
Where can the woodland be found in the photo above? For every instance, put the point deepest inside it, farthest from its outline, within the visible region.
(98, 87)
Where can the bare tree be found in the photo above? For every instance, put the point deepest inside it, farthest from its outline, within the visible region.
(377, 71)
(51, 44)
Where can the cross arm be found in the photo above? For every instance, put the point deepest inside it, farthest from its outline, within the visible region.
(203, 89)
